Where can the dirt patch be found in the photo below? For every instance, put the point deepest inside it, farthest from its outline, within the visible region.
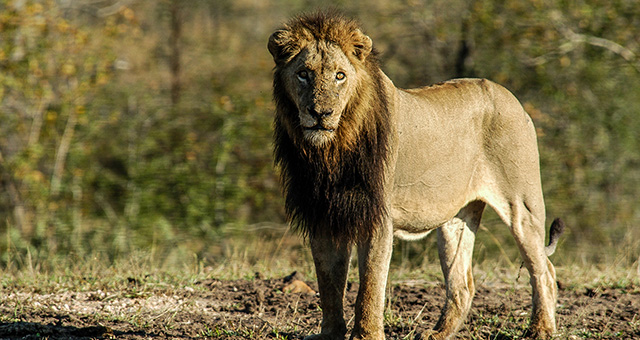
(260, 309)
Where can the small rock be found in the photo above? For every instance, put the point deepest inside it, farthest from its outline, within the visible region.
(297, 286)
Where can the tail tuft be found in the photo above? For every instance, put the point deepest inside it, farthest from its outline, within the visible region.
(556, 230)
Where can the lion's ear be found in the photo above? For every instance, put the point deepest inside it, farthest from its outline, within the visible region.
(362, 45)
(277, 42)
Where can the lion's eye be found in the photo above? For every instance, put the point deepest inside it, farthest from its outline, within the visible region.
(303, 75)
(340, 76)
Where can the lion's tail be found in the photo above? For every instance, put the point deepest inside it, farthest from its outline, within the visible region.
(556, 230)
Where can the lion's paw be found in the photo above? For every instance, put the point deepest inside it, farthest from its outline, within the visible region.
(430, 335)
(539, 334)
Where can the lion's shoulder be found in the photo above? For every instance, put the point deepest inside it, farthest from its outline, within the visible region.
(453, 85)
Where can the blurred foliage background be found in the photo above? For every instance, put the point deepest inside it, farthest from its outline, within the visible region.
(146, 125)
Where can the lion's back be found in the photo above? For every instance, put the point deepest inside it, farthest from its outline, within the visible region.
(466, 108)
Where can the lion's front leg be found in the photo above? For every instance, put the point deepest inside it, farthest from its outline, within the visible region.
(332, 265)
(455, 247)
(373, 262)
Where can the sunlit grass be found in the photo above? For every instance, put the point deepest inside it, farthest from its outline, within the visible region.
(274, 251)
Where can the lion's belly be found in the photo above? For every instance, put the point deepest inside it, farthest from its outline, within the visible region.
(423, 206)
(428, 195)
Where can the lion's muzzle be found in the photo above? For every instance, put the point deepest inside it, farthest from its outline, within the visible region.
(318, 124)
(319, 114)
(321, 119)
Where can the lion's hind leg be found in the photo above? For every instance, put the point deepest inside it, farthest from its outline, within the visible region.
(528, 229)
(455, 246)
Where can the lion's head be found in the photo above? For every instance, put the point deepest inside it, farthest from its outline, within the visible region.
(331, 125)
(321, 63)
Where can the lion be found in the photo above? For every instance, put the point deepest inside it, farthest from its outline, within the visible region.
(361, 160)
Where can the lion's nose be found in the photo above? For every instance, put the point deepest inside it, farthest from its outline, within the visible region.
(318, 114)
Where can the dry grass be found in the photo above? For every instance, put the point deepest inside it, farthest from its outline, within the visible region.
(274, 251)
(148, 292)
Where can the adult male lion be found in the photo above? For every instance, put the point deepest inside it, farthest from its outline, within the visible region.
(362, 160)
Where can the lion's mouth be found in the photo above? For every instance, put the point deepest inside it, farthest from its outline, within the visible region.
(318, 134)
(319, 127)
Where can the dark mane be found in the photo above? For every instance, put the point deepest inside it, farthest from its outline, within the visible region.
(335, 190)
(328, 26)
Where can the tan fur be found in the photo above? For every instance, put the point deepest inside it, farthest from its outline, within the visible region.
(445, 151)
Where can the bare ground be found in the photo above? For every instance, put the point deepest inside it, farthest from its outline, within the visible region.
(259, 309)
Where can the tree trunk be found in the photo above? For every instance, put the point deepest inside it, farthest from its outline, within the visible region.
(63, 151)
(19, 215)
(174, 58)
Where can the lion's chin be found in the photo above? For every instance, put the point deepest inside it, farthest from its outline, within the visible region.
(318, 137)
